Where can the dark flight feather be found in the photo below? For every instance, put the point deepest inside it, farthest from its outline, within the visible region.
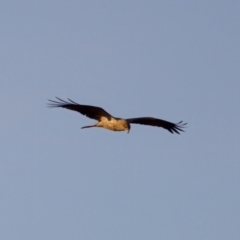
(171, 127)
(90, 111)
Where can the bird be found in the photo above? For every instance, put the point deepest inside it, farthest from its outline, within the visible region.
(107, 121)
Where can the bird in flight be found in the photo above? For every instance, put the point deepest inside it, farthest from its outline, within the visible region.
(106, 120)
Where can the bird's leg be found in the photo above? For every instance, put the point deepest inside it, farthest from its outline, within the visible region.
(94, 125)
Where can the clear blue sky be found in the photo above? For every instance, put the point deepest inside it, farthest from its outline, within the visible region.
(175, 60)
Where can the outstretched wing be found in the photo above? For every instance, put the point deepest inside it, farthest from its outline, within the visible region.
(89, 111)
(171, 127)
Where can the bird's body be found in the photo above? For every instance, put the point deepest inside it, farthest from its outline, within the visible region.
(107, 121)
(114, 124)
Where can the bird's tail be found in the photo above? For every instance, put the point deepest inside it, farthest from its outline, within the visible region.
(94, 125)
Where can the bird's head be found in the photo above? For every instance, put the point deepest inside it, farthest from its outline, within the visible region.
(128, 127)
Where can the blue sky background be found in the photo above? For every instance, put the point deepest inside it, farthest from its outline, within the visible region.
(175, 60)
